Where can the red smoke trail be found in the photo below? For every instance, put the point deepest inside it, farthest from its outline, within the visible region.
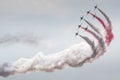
(89, 31)
(106, 17)
(93, 27)
(109, 35)
(100, 20)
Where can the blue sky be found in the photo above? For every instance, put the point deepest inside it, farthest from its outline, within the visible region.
(55, 22)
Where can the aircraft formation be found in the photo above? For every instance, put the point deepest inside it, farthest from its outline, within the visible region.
(82, 18)
(75, 56)
(108, 28)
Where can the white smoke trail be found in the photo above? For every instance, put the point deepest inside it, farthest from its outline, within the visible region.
(29, 39)
(73, 56)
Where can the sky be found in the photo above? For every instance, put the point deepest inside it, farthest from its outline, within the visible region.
(55, 22)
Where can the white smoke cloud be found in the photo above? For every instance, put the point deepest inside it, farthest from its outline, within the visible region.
(72, 56)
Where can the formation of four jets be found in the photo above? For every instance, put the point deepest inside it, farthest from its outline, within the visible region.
(81, 18)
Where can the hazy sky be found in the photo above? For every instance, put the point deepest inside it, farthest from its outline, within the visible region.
(54, 22)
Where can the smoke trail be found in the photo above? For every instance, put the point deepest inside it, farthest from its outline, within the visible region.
(91, 43)
(92, 26)
(107, 18)
(75, 56)
(96, 49)
(109, 35)
(100, 45)
(100, 20)
(29, 39)
(91, 32)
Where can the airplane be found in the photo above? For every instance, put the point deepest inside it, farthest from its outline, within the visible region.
(88, 12)
(86, 28)
(79, 26)
(81, 18)
(95, 7)
(76, 33)
(94, 15)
